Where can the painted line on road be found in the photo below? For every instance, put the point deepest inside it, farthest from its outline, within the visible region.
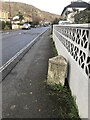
(20, 33)
(15, 56)
(23, 52)
(7, 32)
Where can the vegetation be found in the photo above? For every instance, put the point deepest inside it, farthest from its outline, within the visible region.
(65, 103)
(82, 17)
(21, 17)
(20, 24)
(5, 25)
(55, 53)
(2, 25)
(36, 20)
(56, 20)
(62, 97)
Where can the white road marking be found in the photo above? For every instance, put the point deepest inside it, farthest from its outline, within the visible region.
(17, 54)
(7, 32)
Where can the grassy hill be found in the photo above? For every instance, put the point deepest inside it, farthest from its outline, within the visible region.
(28, 10)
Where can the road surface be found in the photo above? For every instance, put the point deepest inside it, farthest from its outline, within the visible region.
(13, 42)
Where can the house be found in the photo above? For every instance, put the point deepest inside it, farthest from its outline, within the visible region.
(4, 15)
(70, 10)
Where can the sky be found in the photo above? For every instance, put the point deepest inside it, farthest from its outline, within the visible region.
(52, 6)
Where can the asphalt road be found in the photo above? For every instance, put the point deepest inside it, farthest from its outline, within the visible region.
(13, 42)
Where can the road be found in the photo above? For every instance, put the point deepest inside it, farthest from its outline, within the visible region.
(13, 42)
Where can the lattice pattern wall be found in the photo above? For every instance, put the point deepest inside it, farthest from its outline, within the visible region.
(77, 42)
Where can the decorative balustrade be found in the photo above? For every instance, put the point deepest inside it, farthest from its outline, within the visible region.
(76, 39)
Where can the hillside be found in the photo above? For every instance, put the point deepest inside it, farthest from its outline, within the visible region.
(28, 10)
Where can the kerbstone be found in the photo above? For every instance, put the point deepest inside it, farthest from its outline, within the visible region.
(57, 70)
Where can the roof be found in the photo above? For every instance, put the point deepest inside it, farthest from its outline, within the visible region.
(77, 5)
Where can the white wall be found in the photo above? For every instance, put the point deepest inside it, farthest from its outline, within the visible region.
(78, 79)
(15, 26)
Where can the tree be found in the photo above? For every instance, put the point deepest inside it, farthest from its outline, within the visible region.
(82, 17)
(56, 20)
(21, 17)
(36, 20)
(2, 25)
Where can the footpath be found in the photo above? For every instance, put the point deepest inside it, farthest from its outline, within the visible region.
(24, 91)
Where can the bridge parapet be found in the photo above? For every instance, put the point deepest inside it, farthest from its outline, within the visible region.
(73, 42)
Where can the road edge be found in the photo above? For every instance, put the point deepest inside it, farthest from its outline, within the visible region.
(9, 65)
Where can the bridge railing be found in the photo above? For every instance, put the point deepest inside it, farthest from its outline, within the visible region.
(73, 42)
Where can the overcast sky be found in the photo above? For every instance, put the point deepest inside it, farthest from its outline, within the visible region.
(53, 6)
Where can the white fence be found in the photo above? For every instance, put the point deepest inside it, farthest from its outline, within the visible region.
(73, 42)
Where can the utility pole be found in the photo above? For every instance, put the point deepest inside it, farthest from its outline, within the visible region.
(32, 15)
(10, 15)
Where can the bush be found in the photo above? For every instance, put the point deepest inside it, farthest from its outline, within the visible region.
(65, 102)
(55, 53)
(8, 25)
(20, 23)
(2, 25)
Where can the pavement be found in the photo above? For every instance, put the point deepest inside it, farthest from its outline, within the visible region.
(24, 90)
